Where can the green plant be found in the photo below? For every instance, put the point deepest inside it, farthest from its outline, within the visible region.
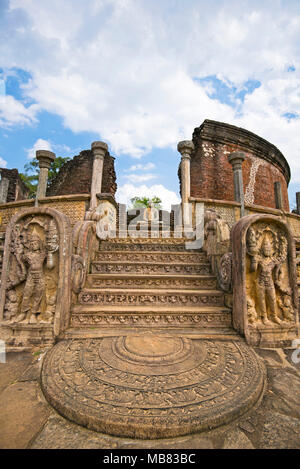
(138, 202)
(30, 176)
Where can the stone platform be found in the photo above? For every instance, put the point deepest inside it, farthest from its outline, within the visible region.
(152, 386)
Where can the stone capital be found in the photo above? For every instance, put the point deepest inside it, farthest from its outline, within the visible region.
(99, 149)
(185, 148)
(45, 158)
(236, 159)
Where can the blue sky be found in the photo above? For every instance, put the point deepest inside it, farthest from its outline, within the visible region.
(141, 75)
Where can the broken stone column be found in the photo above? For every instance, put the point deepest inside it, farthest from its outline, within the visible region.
(4, 184)
(45, 159)
(236, 159)
(185, 148)
(278, 195)
(99, 150)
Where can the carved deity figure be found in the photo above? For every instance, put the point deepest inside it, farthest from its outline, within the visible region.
(252, 315)
(11, 305)
(266, 293)
(151, 213)
(285, 304)
(267, 265)
(34, 289)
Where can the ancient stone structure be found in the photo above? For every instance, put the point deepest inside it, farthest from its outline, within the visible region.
(36, 276)
(265, 287)
(168, 386)
(12, 187)
(75, 177)
(155, 316)
(211, 173)
(45, 158)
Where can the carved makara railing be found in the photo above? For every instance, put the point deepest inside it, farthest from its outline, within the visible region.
(218, 249)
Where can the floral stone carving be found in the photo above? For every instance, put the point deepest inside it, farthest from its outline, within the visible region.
(265, 306)
(36, 269)
(152, 386)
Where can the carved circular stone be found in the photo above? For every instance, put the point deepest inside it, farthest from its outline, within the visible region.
(151, 386)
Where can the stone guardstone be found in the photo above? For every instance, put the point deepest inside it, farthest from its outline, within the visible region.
(152, 386)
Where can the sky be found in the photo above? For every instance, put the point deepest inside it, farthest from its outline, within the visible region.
(141, 75)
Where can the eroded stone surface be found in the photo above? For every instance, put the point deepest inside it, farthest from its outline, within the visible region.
(237, 440)
(22, 415)
(12, 369)
(149, 386)
(59, 433)
(280, 432)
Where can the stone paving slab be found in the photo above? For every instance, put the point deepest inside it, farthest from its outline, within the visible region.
(23, 414)
(12, 369)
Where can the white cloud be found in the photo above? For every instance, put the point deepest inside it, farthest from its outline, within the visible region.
(140, 177)
(40, 144)
(13, 112)
(3, 163)
(141, 167)
(128, 191)
(125, 69)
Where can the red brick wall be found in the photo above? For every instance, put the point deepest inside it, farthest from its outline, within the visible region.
(212, 175)
(16, 189)
(75, 177)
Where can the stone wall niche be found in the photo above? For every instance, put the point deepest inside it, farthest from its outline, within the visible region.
(35, 284)
(265, 299)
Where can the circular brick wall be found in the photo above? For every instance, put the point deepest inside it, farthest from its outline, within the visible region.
(212, 175)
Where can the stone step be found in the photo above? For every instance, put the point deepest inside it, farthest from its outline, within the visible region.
(179, 282)
(220, 333)
(147, 244)
(115, 267)
(146, 297)
(151, 257)
(145, 316)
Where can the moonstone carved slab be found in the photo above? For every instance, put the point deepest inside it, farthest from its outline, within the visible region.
(152, 386)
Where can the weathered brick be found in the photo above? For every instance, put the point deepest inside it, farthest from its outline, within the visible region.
(212, 176)
(75, 177)
(16, 189)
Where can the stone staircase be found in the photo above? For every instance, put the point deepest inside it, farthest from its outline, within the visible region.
(150, 283)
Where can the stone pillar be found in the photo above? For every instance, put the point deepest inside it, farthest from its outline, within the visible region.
(99, 150)
(4, 184)
(236, 159)
(278, 195)
(45, 159)
(298, 202)
(185, 148)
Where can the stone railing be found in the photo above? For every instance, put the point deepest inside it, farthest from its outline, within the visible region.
(73, 206)
(230, 213)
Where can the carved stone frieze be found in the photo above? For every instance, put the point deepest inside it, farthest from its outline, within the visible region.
(95, 281)
(265, 281)
(105, 268)
(126, 298)
(187, 257)
(221, 318)
(151, 245)
(141, 243)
